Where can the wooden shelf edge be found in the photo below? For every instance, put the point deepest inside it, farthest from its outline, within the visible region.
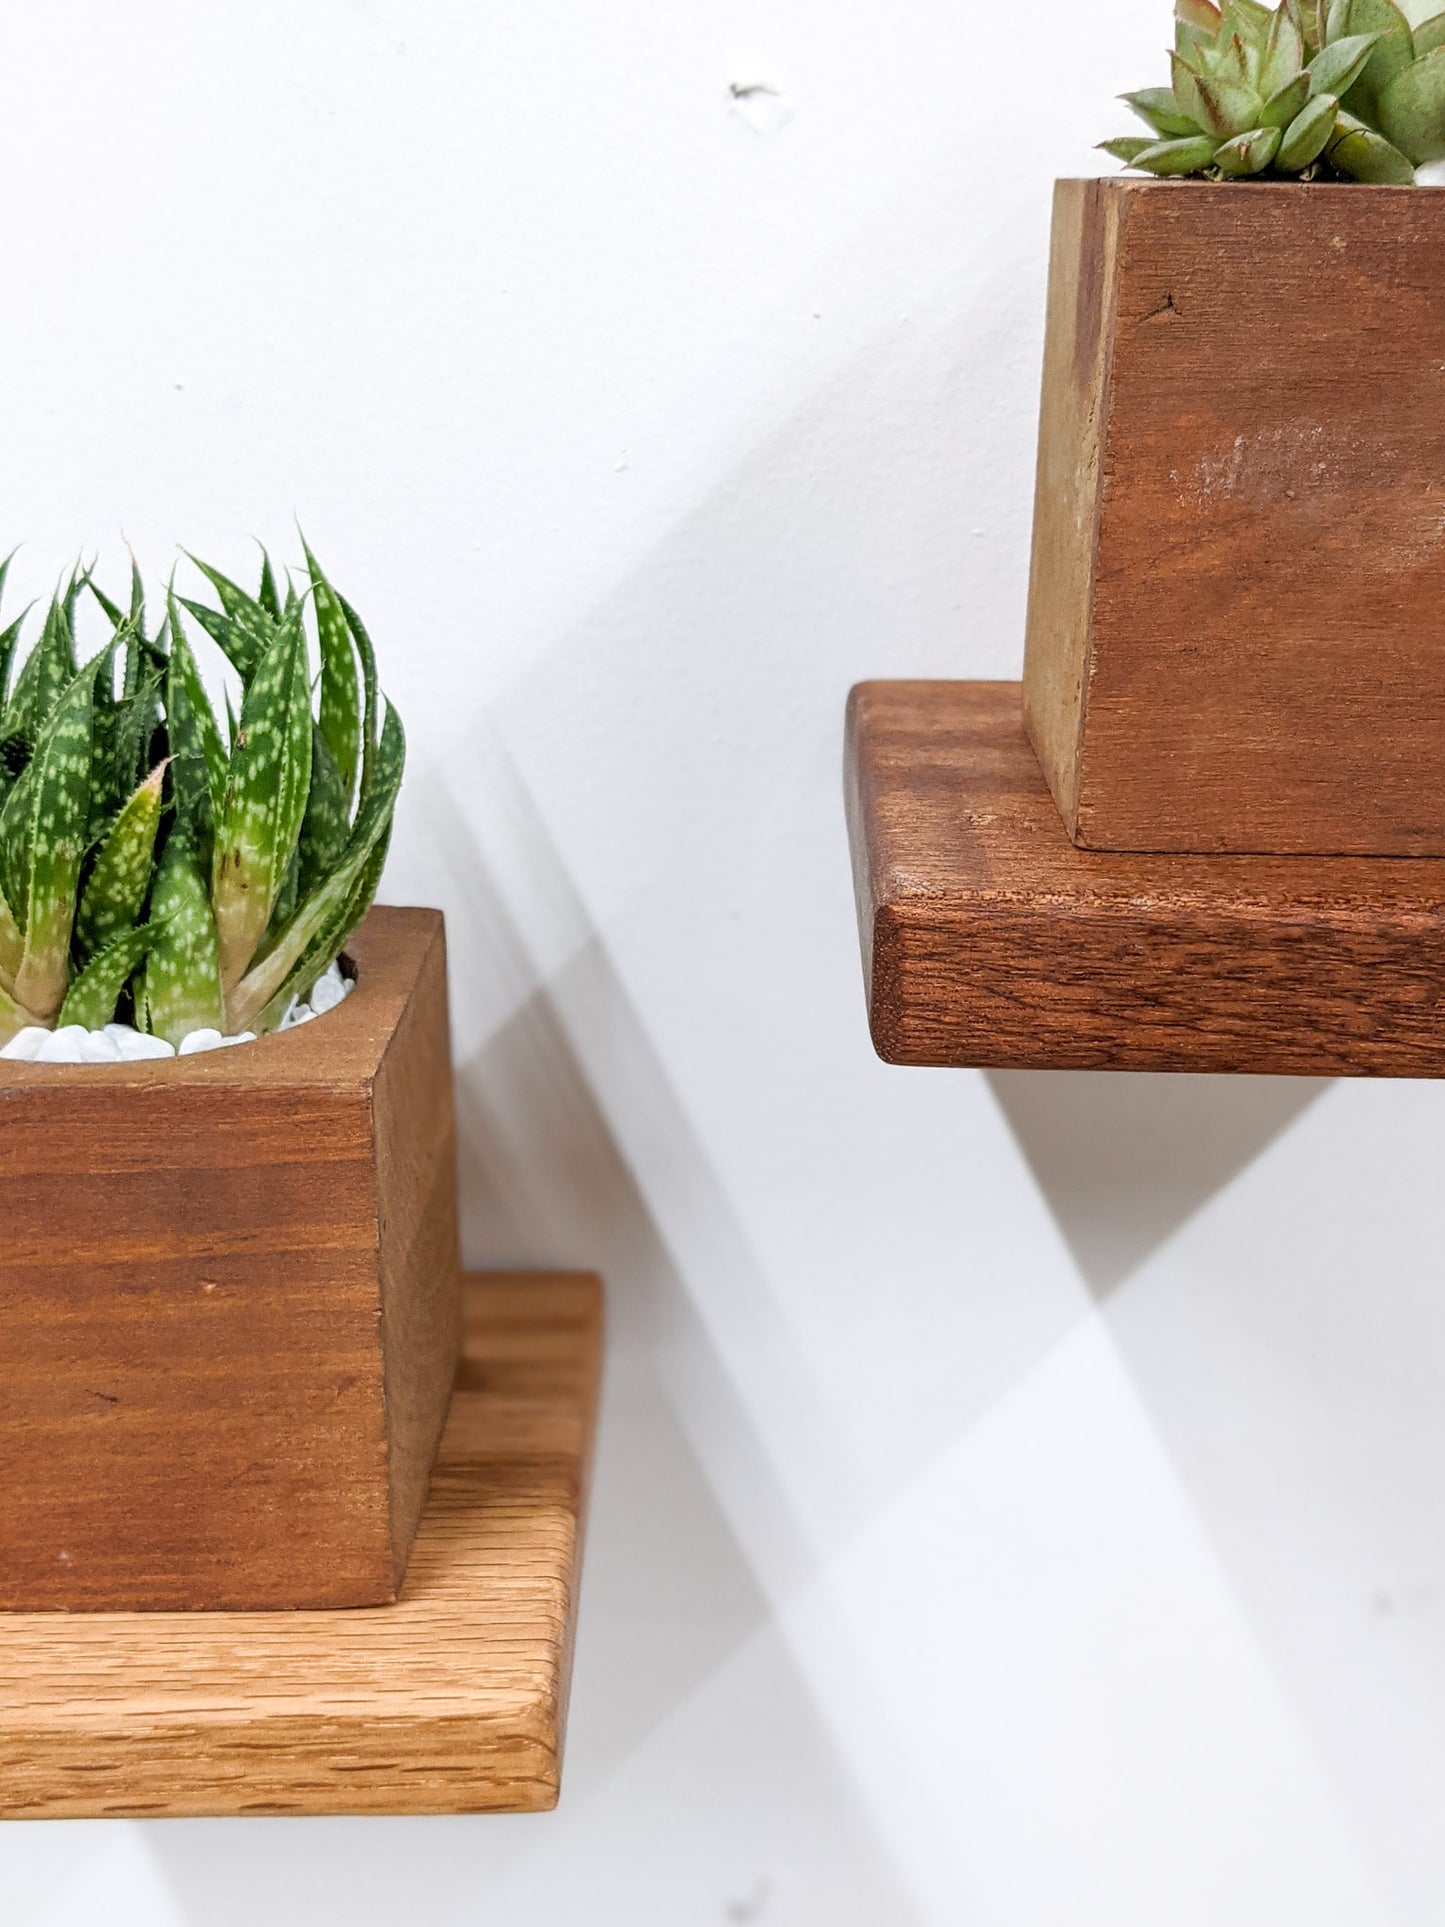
(454, 1700)
(989, 940)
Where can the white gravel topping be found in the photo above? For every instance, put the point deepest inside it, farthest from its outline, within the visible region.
(123, 1044)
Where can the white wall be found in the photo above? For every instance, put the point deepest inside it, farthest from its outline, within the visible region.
(1022, 1499)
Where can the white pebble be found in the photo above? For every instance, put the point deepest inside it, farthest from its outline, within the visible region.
(26, 1045)
(123, 1044)
(328, 991)
(197, 1040)
(63, 1046)
(137, 1047)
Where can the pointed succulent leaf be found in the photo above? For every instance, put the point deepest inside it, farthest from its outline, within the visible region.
(15, 817)
(1249, 153)
(1198, 13)
(104, 734)
(234, 600)
(47, 672)
(266, 595)
(266, 791)
(320, 920)
(136, 649)
(1392, 53)
(1281, 109)
(182, 986)
(242, 643)
(9, 642)
(327, 823)
(111, 610)
(367, 656)
(115, 893)
(1249, 19)
(1186, 85)
(1192, 46)
(1307, 135)
(1412, 109)
(1157, 108)
(1284, 55)
(1309, 17)
(1229, 108)
(1233, 64)
(92, 998)
(1127, 148)
(1178, 157)
(59, 811)
(340, 702)
(199, 768)
(12, 945)
(125, 744)
(1429, 35)
(328, 944)
(1336, 68)
(1364, 155)
(284, 907)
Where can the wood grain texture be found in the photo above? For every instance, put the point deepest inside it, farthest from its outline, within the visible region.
(453, 1700)
(989, 939)
(1235, 637)
(231, 1306)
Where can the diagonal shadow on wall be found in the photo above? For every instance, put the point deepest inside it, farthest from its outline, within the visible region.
(670, 1593)
(1125, 1158)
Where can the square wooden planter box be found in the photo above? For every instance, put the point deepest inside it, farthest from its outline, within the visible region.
(1236, 629)
(231, 1306)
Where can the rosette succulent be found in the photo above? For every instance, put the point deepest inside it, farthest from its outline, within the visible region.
(156, 869)
(1348, 89)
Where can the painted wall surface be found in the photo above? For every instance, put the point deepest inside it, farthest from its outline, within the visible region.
(1021, 1499)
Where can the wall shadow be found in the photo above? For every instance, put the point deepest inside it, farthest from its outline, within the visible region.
(1125, 1158)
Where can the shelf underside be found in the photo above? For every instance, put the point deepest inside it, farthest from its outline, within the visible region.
(453, 1700)
(990, 940)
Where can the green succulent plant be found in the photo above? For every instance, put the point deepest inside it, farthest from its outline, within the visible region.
(1346, 89)
(151, 867)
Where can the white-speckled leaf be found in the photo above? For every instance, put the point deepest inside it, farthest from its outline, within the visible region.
(43, 679)
(327, 917)
(182, 986)
(199, 769)
(12, 945)
(59, 811)
(340, 706)
(115, 892)
(266, 790)
(92, 998)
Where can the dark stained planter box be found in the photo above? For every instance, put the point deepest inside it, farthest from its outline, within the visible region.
(231, 1306)
(1236, 632)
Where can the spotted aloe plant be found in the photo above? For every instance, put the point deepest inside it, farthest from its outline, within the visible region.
(156, 869)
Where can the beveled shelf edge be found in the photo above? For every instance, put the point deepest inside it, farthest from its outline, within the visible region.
(990, 941)
(454, 1700)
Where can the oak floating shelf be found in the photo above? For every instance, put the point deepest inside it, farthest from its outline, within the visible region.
(453, 1700)
(989, 939)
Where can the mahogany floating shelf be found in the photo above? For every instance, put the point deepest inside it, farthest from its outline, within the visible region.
(990, 940)
(453, 1700)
